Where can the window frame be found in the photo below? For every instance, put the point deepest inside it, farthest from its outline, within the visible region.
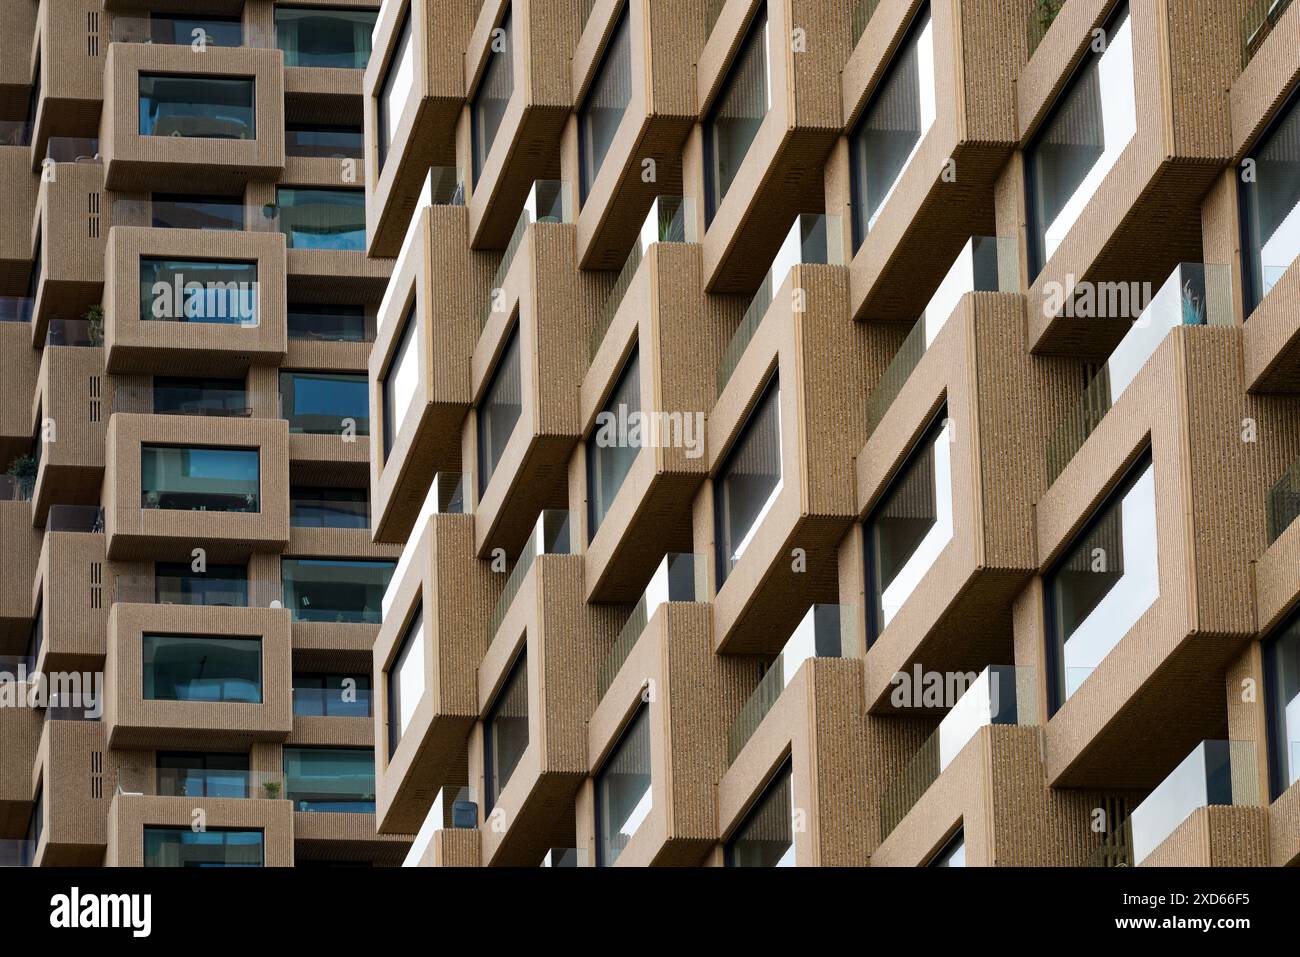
(712, 200)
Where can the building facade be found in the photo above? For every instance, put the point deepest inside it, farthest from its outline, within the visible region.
(950, 521)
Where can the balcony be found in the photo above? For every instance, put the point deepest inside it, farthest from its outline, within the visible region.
(67, 416)
(197, 676)
(20, 733)
(71, 229)
(68, 592)
(22, 552)
(16, 231)
(66, 89)
(173, 117)
(449, 835)
(414, 94)
(71, 828)
(436, 613)
(926, 135)
(1277, 570)
(181, 482)
(22, 365)
(419, 368)
(329, 419)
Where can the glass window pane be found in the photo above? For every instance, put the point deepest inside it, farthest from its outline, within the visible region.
(324, 37)
(623, 797)
(602, 111)
(493, 94)
(176, 583)
(323, 141)
(735, 118)
(497, 416)
(185, 774)
(401, 379)
(748, 481)
(214, 847)
(203, 480)
(197, 106)
(953, 853)
(333, 323)
(195, 290)
(326, 403)
(323, 218)
(220, 397)
(188, 30)
(339, 780)
(506, 730)
(1271, 206)
(395, 88)
(202, 668)
(328, 507)
(614, 444)
(1104, 583)
(338, 590)
(766, 837)
(406, 680)
(1282, 675)
(183, 211)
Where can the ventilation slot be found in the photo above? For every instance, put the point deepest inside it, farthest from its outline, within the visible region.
(94, 399)
(92, 216)
(92, 33)
(96, 585)
(97, 775)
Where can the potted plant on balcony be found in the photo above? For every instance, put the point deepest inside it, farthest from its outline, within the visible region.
(272, 789)
(95, 325)
(23, 471)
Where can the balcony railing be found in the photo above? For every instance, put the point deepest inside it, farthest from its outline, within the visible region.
(1284, 502)
(814, 238)
(15, 309)
(446, 496)
(223, 404)
(443, 186)
(1042, 13)
(74, 332)
(140, 781)
(16, 853)
(1195, 295)
(75, 518)
(17, 488)
(681, 576)
(551, 535)
(985, 264)
(216, 593)
(671, 220)
(73, 149)
(141, 29)
(15, 133)
(826, 631)
(1257, 24)
(549, 201)
(1001, 694)
(454, 808)
(1215, 773)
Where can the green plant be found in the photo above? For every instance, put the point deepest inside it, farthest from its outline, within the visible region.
(272, 789)
(23, 467)
(95, 325)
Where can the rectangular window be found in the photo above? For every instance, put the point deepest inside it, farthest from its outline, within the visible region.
(766, 837)
(324, 141)
(1103, 584)
(606, 102)
(207, 668)
(215, 847)
(328, 507)
(338, 780)
(332, 696)
(322, 218)
(183, 30)
(401, 379)
(1270, 206)
(505, 732)
(737, 114)
(200, 479)
(623, 798)
(176, 583)
(901, 112)
(613, 447)
(406, 680)
(336, 323)
(186, 211)
(500, 411)
(198, 290)
(186, 774)
(395, 87)
(329, 37)
(907, 531)
(1091, 123)
(325, 403)
(1282, 680)
(220, 108)
(748, 481)
(219, 397)
(488, 107)
(335, 589)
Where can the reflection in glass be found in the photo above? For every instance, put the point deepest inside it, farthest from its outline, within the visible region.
(332, 696)
(505, 733)
(328, 507)
(321, 37)
(395, 88)
(737, 114)
(1282, 675)
(1270, 206)
(215, 847)
(335, 589)
(322, 218)
(333, 323)
(176, 583)
(184, 774)
(602, 110)
(199, 479)
(406, 680)
(623, 797)
(401, 379)
(220, 397)
(198, 290)
(614, 443)
(197, 106)
(748, 481)
(497, 416)
(202, 668)
(339, 780)
(766, 837)
(326, 403)
(488, 107)
(324, 141)
(185, 211)
(186, 30)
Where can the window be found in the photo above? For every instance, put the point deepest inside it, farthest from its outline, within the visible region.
(199, 479)
(183, 211)
(185, 30)
(1103, 583)
(215, 847)
(328, 507)
(602, 110)
(344, 323)
(324, 37)
(338, 590)
(35, 825)
(205, 668)
(198, 290)
(332, 696)
(493, 94)
(895, 121)
(623, 798)
(325, 403)
(736, 116)
(184, 774)
(613, 447)
(221, 397)
(1282, 679)
(1080, 141)
(505, 733)
(953, 853)
(324, 141)
(323, 218)
(500, 411)
(340, 780)
(395, 88)
(401, 379)
(748, 481)
(907, 531)
(1270, 206)
(176, 583)
(197, 106)
(766, 837)
(406, 680)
